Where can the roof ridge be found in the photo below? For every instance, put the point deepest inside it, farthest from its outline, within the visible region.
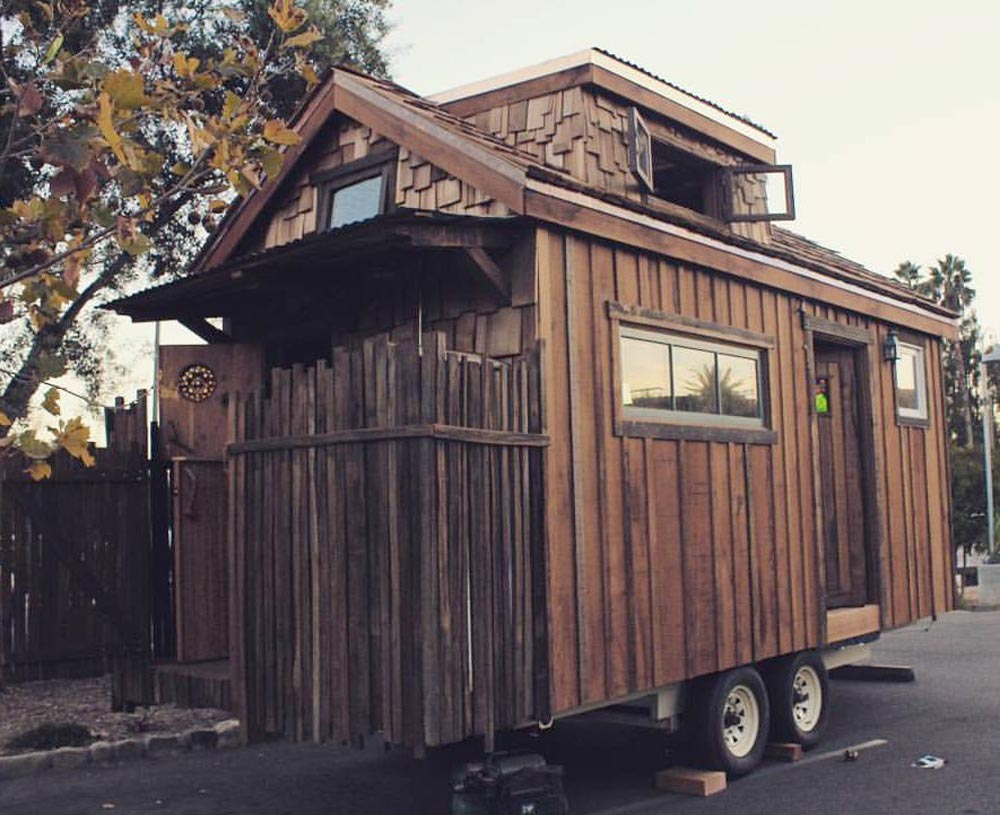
(705, 101)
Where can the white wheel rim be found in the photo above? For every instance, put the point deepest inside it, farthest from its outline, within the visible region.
(740, 721)
(807, 698)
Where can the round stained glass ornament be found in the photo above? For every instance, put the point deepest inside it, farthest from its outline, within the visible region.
(196, 382)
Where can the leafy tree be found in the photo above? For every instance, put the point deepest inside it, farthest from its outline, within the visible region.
(126, 128)
(115, 130)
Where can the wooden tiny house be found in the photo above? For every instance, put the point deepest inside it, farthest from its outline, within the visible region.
(539, 410)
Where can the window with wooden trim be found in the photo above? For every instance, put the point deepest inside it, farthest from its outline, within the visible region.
(668, 377)
(745, 192)
(356, 191)
(911, 382)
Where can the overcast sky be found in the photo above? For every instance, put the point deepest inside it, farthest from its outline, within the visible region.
(888, 111)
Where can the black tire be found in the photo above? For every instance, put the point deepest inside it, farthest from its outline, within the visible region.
(793, 684)
(720, 710)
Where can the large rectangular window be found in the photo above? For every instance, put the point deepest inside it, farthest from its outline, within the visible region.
(911, 382)
(675, 378)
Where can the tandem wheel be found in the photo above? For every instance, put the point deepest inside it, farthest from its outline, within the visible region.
(798, 690)
(730, 718)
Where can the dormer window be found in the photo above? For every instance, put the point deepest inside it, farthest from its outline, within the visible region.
(356, 191)
(753, 192)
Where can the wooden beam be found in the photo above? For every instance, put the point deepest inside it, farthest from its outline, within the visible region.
(491, 273)
(204, 329)
(469, 435)
(782, 751)
(595, 218)
(686, 781)
(241, 218)
(457, 155)
(874, 673)
(849, 623)
(677, 112)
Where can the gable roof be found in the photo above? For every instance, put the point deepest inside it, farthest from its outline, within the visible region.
(524, 184)
(401, 116)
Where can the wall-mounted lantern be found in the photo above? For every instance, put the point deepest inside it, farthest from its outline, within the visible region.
(890, 348)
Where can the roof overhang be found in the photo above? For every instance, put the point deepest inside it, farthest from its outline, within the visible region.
(865, 295)
(351, 94)
(593, 66)
(319, 256)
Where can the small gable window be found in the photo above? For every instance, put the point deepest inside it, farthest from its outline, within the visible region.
(750, 192)
(356, 191)
(356, 202)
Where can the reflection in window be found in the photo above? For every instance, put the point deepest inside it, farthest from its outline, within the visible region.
(738, 386)
(646, 383)
(687, 380)
(911, 389)
(694, 373)
(356, 202)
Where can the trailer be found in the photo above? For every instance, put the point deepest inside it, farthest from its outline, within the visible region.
(524, 406)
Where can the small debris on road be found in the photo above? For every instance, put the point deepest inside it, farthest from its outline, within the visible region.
(851, 755)
(929, 762)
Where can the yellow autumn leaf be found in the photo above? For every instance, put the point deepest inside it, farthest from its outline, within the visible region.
(5, 420)
(276, 133)
(39, 470)
(50, 403)
(287, 15)
(126, 89)
(303, 40)
(106, 124)
(186, 66)
(73, 437)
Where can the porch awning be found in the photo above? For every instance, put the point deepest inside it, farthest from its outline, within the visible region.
(211, 293)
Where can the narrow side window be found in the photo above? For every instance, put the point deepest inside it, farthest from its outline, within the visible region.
(911, 382)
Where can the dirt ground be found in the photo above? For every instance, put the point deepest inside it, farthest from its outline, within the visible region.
(88, 702)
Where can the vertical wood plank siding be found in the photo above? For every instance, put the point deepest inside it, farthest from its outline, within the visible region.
(671, 558)
(395, 582)
(74, 559)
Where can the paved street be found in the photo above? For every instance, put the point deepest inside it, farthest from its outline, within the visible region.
(952, 711)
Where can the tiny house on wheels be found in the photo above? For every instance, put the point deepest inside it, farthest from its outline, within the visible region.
(524, 404)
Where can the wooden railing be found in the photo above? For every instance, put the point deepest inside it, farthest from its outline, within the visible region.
(387, 538)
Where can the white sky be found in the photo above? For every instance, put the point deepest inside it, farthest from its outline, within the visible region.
(888, 111)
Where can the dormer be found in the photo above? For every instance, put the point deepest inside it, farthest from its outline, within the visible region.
(617, 128)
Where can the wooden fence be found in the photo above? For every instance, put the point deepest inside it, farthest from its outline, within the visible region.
(74, 559)
(387, 537)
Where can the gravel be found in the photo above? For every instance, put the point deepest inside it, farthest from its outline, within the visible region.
(88, 702)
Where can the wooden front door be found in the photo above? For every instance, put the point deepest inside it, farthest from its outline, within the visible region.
(841, 462)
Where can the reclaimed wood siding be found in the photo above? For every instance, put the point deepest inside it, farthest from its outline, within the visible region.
(670, 559)
(419, 185)
(74, 554)
(584, 131)
(390, 582)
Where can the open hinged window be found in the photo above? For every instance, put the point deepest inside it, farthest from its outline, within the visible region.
(356, 191)
(747, 192)
(758, 192)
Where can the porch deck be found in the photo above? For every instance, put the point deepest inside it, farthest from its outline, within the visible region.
(195, 684)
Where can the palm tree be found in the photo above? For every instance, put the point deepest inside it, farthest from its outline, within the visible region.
(909, 274)
(950, 284)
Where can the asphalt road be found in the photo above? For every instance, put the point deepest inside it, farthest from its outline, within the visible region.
(952, 711)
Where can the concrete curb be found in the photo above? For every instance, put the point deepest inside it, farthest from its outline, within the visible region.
(223, 736)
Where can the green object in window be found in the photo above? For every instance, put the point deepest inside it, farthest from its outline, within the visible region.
(822, 403)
